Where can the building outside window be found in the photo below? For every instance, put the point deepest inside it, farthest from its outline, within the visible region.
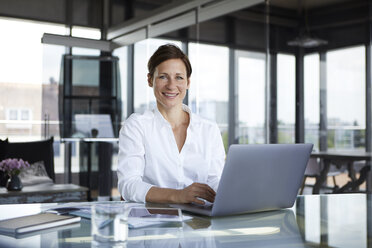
(18, 118)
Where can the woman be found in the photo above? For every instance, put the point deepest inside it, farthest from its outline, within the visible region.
(169, 155)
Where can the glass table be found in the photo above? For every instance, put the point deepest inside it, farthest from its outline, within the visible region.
(342, 220)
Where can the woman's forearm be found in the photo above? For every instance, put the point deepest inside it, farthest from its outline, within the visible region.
(190, 194)
(162, 195)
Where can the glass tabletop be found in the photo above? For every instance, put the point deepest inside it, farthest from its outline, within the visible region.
(342, 220)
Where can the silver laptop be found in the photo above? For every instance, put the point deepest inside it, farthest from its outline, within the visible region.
(257, 178)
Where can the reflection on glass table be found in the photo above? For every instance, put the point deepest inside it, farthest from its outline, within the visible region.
(342, 220)
(269, 229)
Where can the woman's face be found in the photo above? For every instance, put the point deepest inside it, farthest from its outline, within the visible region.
(170, 83)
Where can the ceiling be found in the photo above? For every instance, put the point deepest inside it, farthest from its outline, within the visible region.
(340, 22)
(308, 4)
(89, 12)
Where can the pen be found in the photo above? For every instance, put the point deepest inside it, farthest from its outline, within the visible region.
(104, 224)
(61, 211)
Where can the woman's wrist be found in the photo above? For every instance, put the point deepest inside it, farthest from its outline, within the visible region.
(174, 197)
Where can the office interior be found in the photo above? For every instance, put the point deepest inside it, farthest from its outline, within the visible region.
(274, 71)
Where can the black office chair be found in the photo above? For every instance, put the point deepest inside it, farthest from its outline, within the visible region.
(34, 151)
(3, 175)
(3, 145)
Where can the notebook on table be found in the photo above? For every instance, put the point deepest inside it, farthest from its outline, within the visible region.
(257, 178)
(32, 223)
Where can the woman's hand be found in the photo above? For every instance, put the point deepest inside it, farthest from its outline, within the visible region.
(191, 193)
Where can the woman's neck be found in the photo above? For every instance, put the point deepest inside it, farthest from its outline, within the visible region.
(176, 116)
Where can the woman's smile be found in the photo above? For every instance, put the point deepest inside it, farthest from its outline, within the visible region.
(170, 95)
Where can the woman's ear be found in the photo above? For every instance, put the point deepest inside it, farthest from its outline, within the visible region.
(149, 80)
(188, 83)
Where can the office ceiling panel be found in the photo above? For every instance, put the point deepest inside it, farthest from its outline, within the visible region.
(78, 12)
(309, 4)
(40, 10)
(87, 12)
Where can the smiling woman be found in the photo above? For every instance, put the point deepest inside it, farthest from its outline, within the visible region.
(168, 154)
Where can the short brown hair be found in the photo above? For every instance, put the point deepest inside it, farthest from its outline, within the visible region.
(165, 52)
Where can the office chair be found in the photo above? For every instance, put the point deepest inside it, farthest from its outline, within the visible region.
(34, 151)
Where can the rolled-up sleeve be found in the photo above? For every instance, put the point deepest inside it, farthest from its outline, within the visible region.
(217, 158)
(131, 161)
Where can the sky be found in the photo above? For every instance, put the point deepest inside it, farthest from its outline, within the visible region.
(24, 59)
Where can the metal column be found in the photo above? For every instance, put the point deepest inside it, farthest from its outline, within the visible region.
(130, 80)
(233, 99)
(323, 102)
(300, 116)
(273, 121)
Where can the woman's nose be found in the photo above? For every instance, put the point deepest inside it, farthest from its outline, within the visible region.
(171, 84)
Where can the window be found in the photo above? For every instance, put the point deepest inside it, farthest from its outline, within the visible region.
(83, 32)
(346, 99)
(311, 94)
(22, 76)
(25, 115)
(12, 114)
(30, 74)
(251, 103)
(20, 56)
(208, 94)
(18, 118)
(286, 94)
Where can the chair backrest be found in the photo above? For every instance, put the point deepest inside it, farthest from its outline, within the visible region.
(3, 146)
(34, 151)
(313, 167)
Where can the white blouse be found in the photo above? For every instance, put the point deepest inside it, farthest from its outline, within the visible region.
(149, 156)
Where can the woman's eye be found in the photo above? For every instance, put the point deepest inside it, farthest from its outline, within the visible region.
(179, 78)
(162, 77)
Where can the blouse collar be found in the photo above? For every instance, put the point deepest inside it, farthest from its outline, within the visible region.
(163, 121)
